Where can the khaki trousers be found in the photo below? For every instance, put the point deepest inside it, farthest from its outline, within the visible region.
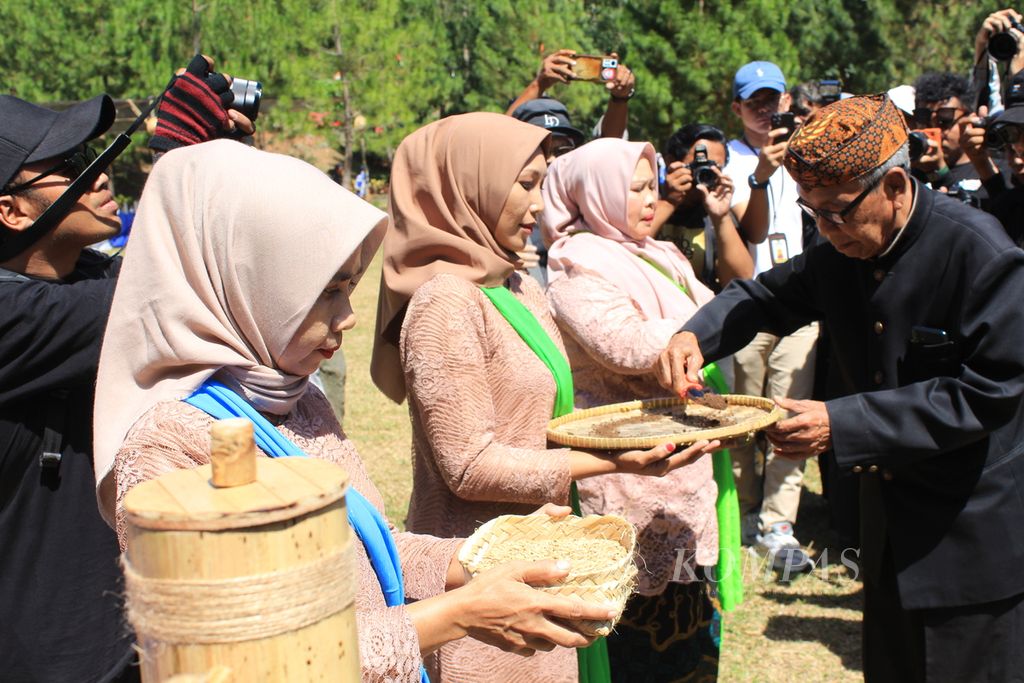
(771, 366)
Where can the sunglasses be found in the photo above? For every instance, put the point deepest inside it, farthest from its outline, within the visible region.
(799, 110)
(943, 117)
(73, 164)
(838, 217)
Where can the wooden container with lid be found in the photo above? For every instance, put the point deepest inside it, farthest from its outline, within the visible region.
(247, 564)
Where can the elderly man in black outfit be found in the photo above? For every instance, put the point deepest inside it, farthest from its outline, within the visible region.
(921, 296)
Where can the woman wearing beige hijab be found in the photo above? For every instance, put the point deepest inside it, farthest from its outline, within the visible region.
(465, 193)
(239, 272)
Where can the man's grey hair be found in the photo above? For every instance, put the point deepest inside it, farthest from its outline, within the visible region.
(899, 159)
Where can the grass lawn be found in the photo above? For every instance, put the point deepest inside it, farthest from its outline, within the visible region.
(805, 630)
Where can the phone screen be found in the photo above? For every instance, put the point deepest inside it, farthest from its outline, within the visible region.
(934, 134)
(595, 67)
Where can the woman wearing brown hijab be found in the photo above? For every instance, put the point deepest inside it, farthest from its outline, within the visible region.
(465, 193)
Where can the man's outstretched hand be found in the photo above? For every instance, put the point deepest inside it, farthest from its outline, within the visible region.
(678, 366)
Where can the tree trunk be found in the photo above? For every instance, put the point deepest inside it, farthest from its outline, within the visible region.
(346, 177)
(197, 27)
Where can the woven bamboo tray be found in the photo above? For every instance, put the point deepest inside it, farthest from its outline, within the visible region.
(590, 428)
(596, 574)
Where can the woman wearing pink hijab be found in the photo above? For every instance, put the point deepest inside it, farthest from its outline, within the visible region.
(617, 296)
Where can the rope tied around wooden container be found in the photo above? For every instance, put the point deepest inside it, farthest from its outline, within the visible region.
(242, 608)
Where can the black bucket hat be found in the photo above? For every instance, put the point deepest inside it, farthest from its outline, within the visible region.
(31, 133)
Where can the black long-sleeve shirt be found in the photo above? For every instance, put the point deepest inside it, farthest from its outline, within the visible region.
(941, 424)
(60, 605)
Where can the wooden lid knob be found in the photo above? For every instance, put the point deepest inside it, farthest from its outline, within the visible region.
(232, 452)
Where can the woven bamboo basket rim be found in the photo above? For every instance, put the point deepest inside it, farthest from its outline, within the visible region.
(772, 415)
(610, 584)
(542, 527)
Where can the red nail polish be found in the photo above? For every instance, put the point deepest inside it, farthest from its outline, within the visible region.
(670, 447)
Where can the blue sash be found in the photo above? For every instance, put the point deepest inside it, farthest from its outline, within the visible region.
(218, 401)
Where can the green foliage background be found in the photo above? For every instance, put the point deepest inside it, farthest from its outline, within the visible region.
(407, 62)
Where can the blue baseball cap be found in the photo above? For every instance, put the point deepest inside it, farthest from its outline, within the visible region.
(756, 75)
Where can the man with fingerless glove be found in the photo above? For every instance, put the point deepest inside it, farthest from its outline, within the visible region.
(60, 607)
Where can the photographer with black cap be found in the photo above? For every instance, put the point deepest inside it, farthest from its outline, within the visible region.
(60, 610)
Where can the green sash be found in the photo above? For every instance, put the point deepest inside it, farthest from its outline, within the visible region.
(682, 288)
(592, 660)
(728, 571)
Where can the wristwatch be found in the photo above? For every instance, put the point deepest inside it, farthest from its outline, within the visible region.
(754, 185)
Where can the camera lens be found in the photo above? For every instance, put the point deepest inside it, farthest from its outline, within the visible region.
(994, 138)
(918, 144)
(707, 177)
(1000, 135)
(1003, 46)
(247, 97)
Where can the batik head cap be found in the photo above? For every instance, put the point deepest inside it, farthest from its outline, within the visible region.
(845, 140)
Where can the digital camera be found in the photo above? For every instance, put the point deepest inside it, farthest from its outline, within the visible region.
(829, 90)
(1003, 45)
(702, 168)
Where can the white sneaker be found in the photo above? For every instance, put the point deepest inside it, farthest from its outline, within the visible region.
(782, 549)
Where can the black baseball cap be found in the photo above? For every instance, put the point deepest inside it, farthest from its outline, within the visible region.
(1013, 114)
(551, 114)
(30, 133)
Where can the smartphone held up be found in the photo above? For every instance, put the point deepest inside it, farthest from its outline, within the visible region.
(596, 68)
(785, 120)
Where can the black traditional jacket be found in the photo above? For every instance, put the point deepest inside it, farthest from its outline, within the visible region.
(928, 377)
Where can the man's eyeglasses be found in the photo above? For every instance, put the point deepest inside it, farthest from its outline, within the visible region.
(838, 217)
(557, 145)
(74, 164)
(564, 148)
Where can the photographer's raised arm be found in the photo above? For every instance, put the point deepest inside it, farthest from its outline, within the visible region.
(678, 181)
(972, 141)
(620, 90)
(994, 24)
(754, 215)
(555, 68)
(733, 258)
